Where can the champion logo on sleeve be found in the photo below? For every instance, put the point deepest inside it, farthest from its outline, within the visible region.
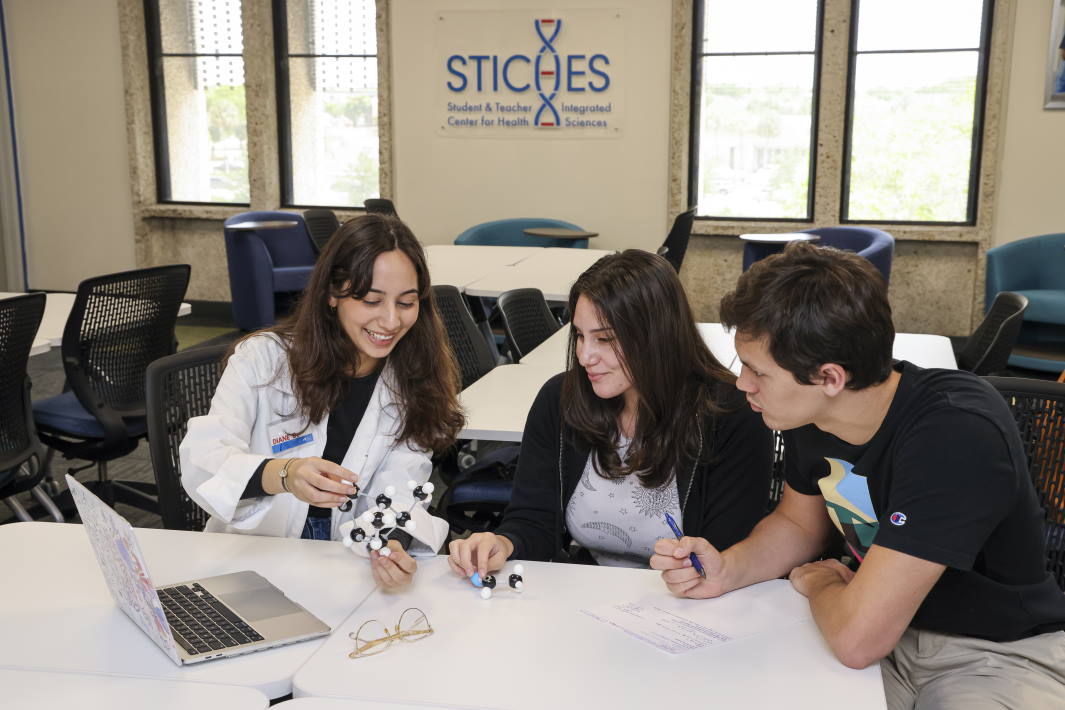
(898, 518)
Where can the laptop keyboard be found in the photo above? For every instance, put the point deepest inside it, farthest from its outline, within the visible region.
(201, 623)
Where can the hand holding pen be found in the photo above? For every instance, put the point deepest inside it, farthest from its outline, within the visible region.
(691, 566)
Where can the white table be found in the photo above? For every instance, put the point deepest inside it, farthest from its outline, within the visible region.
(50, 690)
(460, 264)
(537, 650)
(552, 270)
(57, 308)
(58, 615)
(497, 404)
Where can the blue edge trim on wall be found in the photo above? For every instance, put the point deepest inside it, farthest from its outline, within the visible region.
(14, 149)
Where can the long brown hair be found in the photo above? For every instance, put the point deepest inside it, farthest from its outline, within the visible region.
(639, 296)
(321, 357)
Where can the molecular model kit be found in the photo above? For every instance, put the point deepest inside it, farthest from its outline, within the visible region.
(378, 522)
(488, 582)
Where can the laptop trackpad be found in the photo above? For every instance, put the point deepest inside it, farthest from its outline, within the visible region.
(258, 604)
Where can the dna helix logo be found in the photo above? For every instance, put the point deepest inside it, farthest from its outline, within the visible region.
(548, 52)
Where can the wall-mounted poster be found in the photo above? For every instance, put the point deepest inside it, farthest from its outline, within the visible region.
(1055, 74)
(529, 73)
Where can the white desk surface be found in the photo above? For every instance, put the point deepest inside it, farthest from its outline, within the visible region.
(497, 404)
(552, 270)
(56, 311)
(537, 650)
(58, 615)
(460, 264)
(48, 690)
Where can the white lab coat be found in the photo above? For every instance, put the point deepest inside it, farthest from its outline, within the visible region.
(254, 416)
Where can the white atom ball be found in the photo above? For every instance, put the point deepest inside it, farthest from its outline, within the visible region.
(486, 593)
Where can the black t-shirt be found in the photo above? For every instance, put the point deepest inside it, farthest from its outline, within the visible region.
(944, 479)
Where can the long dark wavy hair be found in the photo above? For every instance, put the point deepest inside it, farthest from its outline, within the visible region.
(639, 296)
(321, 356)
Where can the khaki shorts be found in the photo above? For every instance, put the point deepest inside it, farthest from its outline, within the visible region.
(933, 670)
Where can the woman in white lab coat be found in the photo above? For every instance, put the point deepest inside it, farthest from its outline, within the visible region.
(359, 386)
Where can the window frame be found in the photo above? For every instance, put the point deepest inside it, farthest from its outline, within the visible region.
(979, 109)
(157, 92)
(282, 90)
(695, 110)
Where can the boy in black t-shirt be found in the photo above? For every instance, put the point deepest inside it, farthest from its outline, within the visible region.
(921, 471)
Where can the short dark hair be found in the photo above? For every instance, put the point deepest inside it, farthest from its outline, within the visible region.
(638, 295)
(815, 305)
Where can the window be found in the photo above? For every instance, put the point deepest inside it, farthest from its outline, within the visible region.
(914, 111)
(911, 113)
(327, 98)
(755, 125)
(197, 81)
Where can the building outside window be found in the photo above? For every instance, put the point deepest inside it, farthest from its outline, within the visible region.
(912, 110)
(327, 97)
(197, 77)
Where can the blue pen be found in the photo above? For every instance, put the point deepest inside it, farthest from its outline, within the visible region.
(676, 531)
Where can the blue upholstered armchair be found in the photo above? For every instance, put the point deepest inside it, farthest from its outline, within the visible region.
(264, 262)
(1034, 268)
(875, 245)
(508, 233)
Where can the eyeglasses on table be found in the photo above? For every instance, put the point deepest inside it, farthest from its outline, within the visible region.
(373, 637)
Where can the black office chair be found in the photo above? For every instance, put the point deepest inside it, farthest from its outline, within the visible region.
(1038, 406)
(987, 350)
(380, 205)
(180, 386)
(119, 324)
(476, 473)
(527, 320)
(20, 451)
(676, 244)
(321, 224)
(472, 353)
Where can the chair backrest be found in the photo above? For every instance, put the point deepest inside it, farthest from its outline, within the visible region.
(876, 245)
(510, 233)
(676, 244)
(289, 246)
(987, 350)
(321, 224)
(471, 350)
(527, 319)
(1038, 407)
(118, 325)
(380, 205)
(180, 386)
(19, 319)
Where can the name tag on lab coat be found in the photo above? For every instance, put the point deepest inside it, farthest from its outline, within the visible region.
(284, 442)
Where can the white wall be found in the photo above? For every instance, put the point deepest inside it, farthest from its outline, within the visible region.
(71, 121)
(617, 187)
(1031, 180)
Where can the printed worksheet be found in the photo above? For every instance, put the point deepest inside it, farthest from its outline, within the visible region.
(682, 625)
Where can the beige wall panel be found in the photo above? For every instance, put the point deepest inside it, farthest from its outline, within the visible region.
(1030, 187)
(617, 187)
(70, 115)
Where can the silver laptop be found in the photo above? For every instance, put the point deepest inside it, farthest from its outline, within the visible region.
(216, 617)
